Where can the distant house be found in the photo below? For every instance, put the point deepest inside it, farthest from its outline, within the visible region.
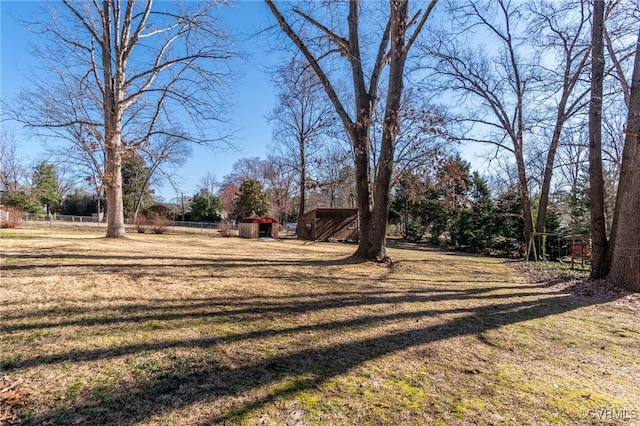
(328, 224)
(166, 209)
(258, 227)
(4, 215)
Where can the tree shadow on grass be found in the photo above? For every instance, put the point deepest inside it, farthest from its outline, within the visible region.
(211, 308)
(253, 311)
(116, 261)
(285, 375)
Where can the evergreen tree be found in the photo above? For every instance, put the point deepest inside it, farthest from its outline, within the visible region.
(252, 200)
(476, 224)
(45, 182)
(432, 204)
(205, 207)
(510, 222)
(555, 247)
(579, 213)
(79, 204)
(28, 203)
(446, 196)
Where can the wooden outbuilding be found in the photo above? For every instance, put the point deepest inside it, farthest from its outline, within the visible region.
(258, 227)
(328, 224)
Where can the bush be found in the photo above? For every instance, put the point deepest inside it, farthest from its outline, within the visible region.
(141, 224)
(226, 230)
(79, 204)
(27, 203)
(415, 230)
(11, 217)
(160, 224)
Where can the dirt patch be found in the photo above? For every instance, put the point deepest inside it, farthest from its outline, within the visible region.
(563, 278)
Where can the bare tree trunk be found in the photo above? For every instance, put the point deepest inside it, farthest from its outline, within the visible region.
(113, 168)
(625, 85)
(113, 80)
(599, 266)
(546, 179)
(575, 59)
(474, 74)
(370, 245)
(376, 227)
(625, 259)
(108, 86)
(526, 200)
(561, 118)
(372, 191)
(113, 188)
(303, 176)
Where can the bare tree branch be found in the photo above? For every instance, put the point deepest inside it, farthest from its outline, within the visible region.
(342, 43)
(333, 96)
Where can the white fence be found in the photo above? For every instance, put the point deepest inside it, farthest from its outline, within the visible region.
(63, 218)
(103, 220)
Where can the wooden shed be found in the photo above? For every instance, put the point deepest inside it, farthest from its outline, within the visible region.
(258, 227)
(328, 224)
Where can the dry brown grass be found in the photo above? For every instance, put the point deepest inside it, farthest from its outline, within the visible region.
(195, 330)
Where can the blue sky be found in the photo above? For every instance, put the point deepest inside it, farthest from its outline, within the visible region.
(254, 95)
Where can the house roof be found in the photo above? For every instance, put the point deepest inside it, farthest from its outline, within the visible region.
(258, 220)
(165, 206)
(330, 213)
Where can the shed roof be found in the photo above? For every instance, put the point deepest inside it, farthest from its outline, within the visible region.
(330, 213)
(258, 220)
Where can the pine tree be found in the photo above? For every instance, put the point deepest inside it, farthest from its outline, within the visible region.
(45, 181)
(252, 200)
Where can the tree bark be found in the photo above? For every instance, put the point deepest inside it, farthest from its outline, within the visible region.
(625, 258)
(303, 174)
(599, 266)
(373, 192)
(518, 144)
(376, 226)
(563, 114)
(526, 199)
(113, 79)
(476, 76)
(575, 60)
(373, 230)
(548, 174)
(101, 87)
(113, 188)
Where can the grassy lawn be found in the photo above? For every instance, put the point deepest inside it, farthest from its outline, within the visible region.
(197, 330)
